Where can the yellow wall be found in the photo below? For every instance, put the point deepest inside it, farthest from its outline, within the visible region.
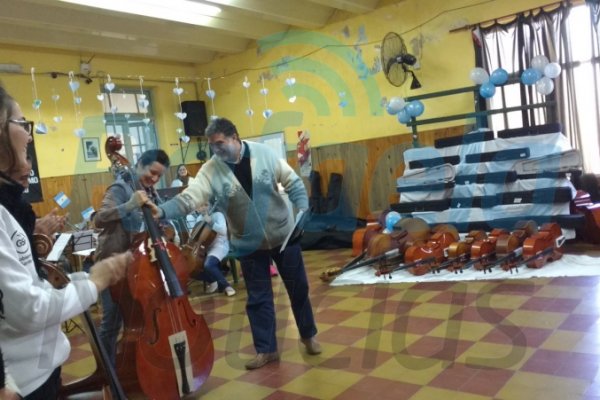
(60, 152)
(339, 83)
(340, 90)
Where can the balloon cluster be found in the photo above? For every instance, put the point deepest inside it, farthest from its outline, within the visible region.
(488, 82)
(404, 111)
(540, 74)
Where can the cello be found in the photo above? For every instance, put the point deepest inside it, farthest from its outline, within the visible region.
(196, 248)
(166, 351)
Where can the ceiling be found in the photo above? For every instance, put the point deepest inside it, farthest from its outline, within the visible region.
(90, 31)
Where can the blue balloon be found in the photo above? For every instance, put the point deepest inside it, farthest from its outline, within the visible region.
(415, 108)
(487, 90)
(499, 77)
(403, 116)
(530, 76)
(390, 220)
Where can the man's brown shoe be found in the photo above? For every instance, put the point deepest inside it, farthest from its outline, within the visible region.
(312, 346)
(262, 359)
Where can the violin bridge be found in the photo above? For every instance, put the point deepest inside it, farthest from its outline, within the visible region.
(182, 362)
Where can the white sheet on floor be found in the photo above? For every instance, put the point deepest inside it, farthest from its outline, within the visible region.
(568, 265)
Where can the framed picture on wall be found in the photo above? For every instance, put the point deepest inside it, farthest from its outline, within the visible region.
(91, 149)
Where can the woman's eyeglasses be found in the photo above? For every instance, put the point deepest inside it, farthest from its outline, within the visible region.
(27, 125)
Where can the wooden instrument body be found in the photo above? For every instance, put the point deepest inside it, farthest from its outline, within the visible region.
(507, 244)
(145, 361)
(543, 243)
(166, 351)
(460, 251)
(196, 249)
(436, 247)
(360, 239)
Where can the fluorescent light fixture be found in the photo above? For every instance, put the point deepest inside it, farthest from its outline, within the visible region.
(188, 12)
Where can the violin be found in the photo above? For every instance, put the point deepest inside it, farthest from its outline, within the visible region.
(166, 351)
(542, 246)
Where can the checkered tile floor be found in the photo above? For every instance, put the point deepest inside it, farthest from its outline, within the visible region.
(517, 339)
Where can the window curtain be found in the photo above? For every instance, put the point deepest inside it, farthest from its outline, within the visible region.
(512, 45)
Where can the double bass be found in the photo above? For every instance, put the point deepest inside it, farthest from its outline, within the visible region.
(166, 351)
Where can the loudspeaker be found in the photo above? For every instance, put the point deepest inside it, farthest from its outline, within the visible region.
(196, 122)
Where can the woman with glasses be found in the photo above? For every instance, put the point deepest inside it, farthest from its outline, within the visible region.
(33, 344)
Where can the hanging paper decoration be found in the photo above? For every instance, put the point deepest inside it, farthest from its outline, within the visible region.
(143, 102)
(211, 95)
(40, 127)
(109, 85)
(180, 114)
(264, 91)
(291, 81)
(249, 110)
(57, 117)
(74, 86)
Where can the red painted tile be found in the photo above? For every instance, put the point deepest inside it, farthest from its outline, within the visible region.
(372, 387)
(343, 335)
(359, 361)
(416, 325)
(438, 348)
(450, 297)
(482, 314)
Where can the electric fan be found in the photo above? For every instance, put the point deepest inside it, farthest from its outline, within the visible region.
(395, 61)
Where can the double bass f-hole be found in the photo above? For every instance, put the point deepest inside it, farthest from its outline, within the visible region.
(166, 350)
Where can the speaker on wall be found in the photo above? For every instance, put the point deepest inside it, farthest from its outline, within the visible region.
(195, 122)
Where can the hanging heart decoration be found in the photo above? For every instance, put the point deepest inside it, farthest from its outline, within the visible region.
(57, 117)
(74, 86)
(290, 82)
(41, 128)
(109, 85)
(79, 132)
(180, 115)
(100, 97)
(264, 91)
(210, 93)
(37, 103)
(249, 111)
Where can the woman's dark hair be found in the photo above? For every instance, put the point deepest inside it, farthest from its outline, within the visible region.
(150, 156)
(183, 179)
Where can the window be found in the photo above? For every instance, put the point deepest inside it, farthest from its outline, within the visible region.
(570, 39)
(132, 120)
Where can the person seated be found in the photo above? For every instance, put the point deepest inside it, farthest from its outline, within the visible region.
(216, 252)
(182, 176)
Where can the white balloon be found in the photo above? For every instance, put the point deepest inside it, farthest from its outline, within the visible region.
(552, 70)
(544, 86)
(395, 105)
(479, 76)
(539, 62)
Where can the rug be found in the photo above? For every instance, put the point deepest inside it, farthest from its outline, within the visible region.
(567, 265)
